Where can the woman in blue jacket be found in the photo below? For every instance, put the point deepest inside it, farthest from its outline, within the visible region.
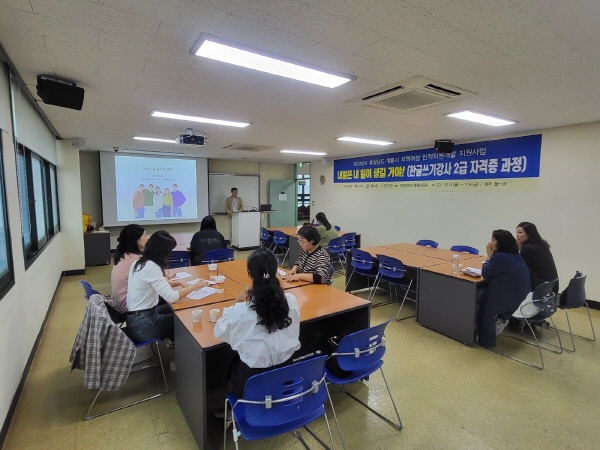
(508, 284)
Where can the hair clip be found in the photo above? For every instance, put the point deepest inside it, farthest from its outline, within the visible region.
(266, 275)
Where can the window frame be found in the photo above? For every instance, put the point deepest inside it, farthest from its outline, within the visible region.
(7, 281)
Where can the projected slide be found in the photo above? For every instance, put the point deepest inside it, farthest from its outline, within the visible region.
(152, 188)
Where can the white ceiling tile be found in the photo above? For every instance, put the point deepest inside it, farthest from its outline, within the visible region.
(404, 23)
(345, 9)
(273, 13)
(205, 71)
(312, 23)
(428, 5)
(177, 37)
(462, 50)
(562, 67)
(484, 19)
(23, 5)
(532, 43)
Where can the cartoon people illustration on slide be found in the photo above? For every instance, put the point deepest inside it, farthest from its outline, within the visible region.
(138, 202)
(178, 201)
(148, 201)
(167, 203)
(158, 202)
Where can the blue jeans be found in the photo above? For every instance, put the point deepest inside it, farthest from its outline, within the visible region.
(155, 323)
(176, 211)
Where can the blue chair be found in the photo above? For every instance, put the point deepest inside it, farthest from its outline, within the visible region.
(545, 299)
(349, 240)
(337, 249)
(574, 297)
(336, 228)
(179, 258)
(89, 290)
(280, 240)
(266, 240)
(360, 354)
(280, 401)
(331, 271)
(464, 249)
(218, 255)
(427, 243)
(393, 272)
(363, 264)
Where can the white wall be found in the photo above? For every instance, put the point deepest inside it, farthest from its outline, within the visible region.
(564, 205)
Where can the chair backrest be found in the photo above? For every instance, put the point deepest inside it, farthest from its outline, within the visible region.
(465, 249)
(349, 240)
(89, 290)
(179, 258)
(336, 245)
(547, 307)
(265, 235)
(544, 290)
(361, 260)
(337, 228)
(427, 243)
(305, 377)
(218, 255)
(574, 294)
(279, 237)
(362, 349)
(391, 267)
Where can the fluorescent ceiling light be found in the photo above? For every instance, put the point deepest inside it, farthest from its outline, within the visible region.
(363, 141)
(302, 152)
(481, 118)
(227, 123)
(232, 53)
(150, 152)
(142, 138)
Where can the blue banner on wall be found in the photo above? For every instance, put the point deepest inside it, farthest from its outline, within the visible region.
(505, 158)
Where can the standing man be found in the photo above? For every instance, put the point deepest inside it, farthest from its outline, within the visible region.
(178, 201)
(233, 204)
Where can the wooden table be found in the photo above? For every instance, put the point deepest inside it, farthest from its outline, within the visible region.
(203, 361)
(295, 249)
(238, 271)
(231, 288)
(447, 302)
(439, 253)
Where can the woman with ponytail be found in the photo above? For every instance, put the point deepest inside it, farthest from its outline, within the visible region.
(264, 327)
(325, 229)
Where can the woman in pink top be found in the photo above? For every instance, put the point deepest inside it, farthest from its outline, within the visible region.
(132, 241)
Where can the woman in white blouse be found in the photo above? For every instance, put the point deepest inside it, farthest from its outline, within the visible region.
(264, 328)
(146, 319)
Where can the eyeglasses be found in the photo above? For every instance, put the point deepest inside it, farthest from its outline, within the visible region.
(302, 241)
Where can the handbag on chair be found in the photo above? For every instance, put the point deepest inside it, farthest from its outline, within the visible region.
(332, 363)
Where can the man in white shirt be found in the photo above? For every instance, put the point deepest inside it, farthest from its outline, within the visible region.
(233, 204)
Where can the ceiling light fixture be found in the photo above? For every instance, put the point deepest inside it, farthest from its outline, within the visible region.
(363, 141)
(302, 152)
(150, 152)
(226, 123)
(230, 52)
(486, 119)
(142, 138)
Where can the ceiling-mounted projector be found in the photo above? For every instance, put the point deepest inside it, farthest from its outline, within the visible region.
(189, 137)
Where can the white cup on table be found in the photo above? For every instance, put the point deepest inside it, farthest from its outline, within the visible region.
(214, 314)
(196, 315)
(220, 283)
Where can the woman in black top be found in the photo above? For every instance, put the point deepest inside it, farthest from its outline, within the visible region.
(208, 238)
(536, 254)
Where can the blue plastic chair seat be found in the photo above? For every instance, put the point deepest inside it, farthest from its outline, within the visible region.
(354, 375)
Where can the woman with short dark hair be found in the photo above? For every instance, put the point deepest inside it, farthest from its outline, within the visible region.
(326, 231)
(314, 263)
(131, 243)
(208, 238)
(536, 254)
(508, 284)
(264, 328)
(146, 319)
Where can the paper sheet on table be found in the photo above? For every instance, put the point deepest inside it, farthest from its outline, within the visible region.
(198, 280)
(281, 272)
(472, 271)
(201, 293)
(180, 275)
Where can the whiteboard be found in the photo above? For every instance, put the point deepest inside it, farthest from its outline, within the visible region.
(219, 188)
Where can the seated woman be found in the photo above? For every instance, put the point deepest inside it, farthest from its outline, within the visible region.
(326, 230)
(131, 243)
(264, 327)
(208, 238)
(146, 319)
(313, 263)
(508, 285)
(536, 254)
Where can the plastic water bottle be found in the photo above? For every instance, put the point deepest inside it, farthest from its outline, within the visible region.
(455, 264)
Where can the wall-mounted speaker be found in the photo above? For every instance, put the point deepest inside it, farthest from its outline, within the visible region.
(59, 93)
(78, 143)
(444, 146)
(325, 161)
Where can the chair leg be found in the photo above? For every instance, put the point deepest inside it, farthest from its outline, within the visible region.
(337, 424)
(402, 304)
(317, 438)
(527, 342)
(558, 352)
(593, 338)
(348, 282)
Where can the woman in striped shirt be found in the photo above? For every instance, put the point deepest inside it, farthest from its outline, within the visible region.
(314, 263)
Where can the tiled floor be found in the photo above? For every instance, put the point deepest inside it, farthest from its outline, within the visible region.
(449, 396)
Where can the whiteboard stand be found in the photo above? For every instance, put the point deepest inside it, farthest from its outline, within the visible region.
(245, 230)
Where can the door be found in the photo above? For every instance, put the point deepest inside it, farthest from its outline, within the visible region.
(282, 197)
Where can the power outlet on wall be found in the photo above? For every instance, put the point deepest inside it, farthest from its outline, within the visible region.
(312, 203)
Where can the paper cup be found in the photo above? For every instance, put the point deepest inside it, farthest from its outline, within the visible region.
(212, 270)
(196, 315)
(214, 314)
(220, 284)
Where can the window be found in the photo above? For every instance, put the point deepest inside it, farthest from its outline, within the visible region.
(38, 198)
(6, 267)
